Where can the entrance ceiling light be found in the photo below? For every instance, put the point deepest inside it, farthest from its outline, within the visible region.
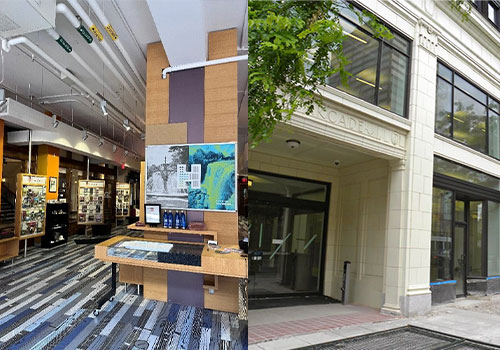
(55, 122)
(293, 144)
(103, 108)
(101, 142)
(126, 124)
(85, 135)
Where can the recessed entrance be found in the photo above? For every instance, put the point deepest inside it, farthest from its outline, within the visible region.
(288, 218)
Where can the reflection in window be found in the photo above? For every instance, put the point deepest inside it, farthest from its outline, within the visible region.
(492, 12)
(445, 167)
(469, 121)
(494, 134)
(362, 51)
(441, 242)
(378, 68)
(474, 119)
(443, 108)
(493, 239)
(475, 238)
(392, 86)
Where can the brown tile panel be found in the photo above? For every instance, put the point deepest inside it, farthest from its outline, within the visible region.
(157, 89)
(166, 134)
(222, 44)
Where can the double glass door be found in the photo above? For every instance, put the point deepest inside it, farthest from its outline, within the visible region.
(467, 242)
(287, 221)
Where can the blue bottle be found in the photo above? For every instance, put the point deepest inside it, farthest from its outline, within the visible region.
(170, 219)
(177, 220)
(183, 220)
(165, 219)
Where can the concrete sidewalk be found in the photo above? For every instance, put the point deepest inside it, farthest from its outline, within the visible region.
(475, 318)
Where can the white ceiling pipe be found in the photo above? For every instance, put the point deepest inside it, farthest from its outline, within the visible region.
(167, 70)
(107, 25)
(64, 10)
(6, 45)
(56, 36)
(86, 19)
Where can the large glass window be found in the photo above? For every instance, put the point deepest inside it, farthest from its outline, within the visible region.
(493, 239)
(379, 69)
(446, 167)
(442, 230)
(466, 114)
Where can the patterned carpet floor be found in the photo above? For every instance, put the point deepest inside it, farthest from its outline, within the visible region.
(47, 302)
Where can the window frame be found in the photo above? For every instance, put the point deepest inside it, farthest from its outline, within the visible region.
(486, 106)
(381, 43)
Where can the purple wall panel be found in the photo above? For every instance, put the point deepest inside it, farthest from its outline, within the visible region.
(187, 104)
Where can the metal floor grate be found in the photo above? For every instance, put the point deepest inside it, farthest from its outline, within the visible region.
(405, 338)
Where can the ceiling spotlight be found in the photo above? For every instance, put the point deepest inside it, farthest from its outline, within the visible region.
(103, 108)
(101, 142)
(85, 135)
(293, 144)
(55, 122)
(143, 136)
(126, 153)
(126, 124)
(114, 148)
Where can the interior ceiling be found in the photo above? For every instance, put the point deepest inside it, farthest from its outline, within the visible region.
(133, 22)
(312, 149)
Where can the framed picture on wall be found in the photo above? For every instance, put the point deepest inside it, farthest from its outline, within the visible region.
(192, 176)
(53, 184)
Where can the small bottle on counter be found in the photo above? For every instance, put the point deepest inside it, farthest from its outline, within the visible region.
(177, 220)
(165, 219)
(170, 219)
(183, 220)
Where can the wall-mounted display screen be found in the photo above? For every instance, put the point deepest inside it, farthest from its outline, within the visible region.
(195, 176)
(152, 214)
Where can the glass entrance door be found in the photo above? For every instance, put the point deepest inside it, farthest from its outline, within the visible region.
(286, 235)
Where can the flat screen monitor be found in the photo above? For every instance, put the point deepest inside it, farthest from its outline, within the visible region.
(152, 214)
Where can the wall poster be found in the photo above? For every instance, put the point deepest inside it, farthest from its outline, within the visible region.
(195, 176)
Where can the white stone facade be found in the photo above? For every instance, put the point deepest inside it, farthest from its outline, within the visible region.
(380, 210)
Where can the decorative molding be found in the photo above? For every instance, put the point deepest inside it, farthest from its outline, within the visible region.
(427, 36)
(398, 164)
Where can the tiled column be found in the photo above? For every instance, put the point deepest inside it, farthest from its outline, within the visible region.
(409, 267)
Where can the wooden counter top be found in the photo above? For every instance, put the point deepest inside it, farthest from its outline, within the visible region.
(212, 263)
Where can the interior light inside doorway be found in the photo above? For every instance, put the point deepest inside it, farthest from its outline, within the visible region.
(55, 122)
(103, 108)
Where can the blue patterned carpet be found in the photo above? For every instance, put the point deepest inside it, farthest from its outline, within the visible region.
(47, 302)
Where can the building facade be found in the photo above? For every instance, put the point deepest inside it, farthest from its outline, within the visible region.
(399, 174)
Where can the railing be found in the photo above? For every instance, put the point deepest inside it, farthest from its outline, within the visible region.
(8, 196)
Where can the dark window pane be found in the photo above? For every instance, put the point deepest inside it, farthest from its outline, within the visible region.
(445, 167)
(362, 53)
(469, 121)
(392, 86)
(442, 201)
(494, 134)
(475, 238)
(443, 108)
(470, 89)
(444, 72)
